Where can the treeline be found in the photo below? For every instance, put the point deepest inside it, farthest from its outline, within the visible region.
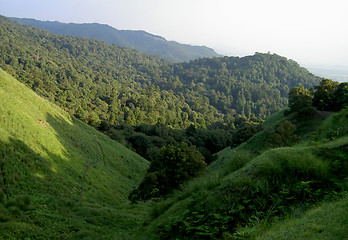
(328, 96)
(173, 165)
(106, 85)
(147, 140)
(140, 40)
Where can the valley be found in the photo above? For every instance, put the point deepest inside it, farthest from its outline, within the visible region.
(100, 141)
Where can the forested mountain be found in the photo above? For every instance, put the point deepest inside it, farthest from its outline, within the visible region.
(62, 179)
(140, 40)
(103, 83)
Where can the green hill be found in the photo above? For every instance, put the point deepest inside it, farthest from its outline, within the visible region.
(107, 84)
(254, 191)
(44, 153)
(139, 40)
(61, 179)
(259, 191)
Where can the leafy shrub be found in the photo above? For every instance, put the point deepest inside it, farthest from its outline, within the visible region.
(244, 133)
(284, 135)
(265, 188)
(173, 166)
(300, 100)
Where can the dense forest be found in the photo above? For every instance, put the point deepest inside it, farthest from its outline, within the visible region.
(139, 40)
(62, 179)
(107, 84)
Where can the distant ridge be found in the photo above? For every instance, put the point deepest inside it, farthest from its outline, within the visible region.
(139, 40)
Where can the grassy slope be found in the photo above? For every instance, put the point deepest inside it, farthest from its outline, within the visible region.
(253, 146)
(43, 154)
(203, 201)
(326, 221)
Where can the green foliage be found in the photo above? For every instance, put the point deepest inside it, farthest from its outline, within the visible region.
(44, 150)
(103, 83)
(19, 203)
(172, 167)
(265, 188)
(324, 95)
(326, 221)
(300, 100)
(246, 191)
(140, 40)
(334, 126)
(242, 134)
(147, 139)
(43, 154)
(341, 96)
(284, 135)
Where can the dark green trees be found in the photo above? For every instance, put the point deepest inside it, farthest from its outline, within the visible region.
(327, 96)
(173, 166)
(300, 99)
(341, 95)
(102, 83)
(284, 135)
(324, 96)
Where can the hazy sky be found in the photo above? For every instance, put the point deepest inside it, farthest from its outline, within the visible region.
(311, 32)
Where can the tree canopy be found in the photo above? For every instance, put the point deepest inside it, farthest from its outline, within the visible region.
(324, 95)
(173, 166)
(300, 99)
(105, 84)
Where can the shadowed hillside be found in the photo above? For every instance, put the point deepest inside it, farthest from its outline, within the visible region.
(44, 154)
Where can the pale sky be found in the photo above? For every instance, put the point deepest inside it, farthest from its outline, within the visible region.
(311, 32)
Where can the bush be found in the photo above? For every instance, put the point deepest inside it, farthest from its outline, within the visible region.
(173, 166)
(284, 135)
(300, 100)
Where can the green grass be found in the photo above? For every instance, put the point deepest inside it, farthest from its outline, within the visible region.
(252, 186)
(327, 221)
(335, 126)
(274, 119)
(44, 152)
(250, 192)
(255, 145)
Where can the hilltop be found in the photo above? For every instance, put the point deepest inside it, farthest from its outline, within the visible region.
(139, 40)
(44, 154)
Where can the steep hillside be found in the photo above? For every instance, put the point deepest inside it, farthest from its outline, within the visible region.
(47, 157)
(103, 83)
(266, 194)
(139, 40)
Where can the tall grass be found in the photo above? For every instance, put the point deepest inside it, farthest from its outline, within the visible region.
(327, 221)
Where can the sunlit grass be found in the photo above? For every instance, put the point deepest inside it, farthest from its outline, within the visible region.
(44, 152)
